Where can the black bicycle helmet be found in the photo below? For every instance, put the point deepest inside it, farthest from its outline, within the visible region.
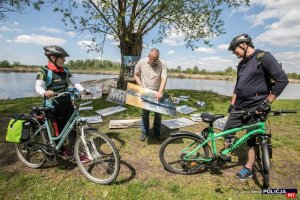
(238, 40)
(56, 51)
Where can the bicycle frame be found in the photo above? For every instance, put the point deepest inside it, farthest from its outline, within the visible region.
(259, 128)
(65, 132)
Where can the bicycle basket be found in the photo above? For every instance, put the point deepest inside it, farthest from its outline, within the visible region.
(18, 128)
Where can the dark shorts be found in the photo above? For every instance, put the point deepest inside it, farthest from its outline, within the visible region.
(236, 120)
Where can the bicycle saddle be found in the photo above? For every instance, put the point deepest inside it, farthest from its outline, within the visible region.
(210, 118)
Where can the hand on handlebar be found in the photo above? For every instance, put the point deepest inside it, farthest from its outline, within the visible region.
(230, 108)
(86, 92)
(263, 108)
(49, 93)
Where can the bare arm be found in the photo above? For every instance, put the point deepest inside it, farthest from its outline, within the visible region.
(162, 86)
(138, 80)
(233, 99)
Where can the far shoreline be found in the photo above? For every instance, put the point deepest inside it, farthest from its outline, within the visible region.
(170, 75)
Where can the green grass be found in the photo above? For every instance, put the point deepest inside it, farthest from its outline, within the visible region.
(143, 177)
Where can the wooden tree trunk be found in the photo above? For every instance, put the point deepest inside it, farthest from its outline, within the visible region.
(128, 48)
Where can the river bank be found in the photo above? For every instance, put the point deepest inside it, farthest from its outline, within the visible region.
(170, 75)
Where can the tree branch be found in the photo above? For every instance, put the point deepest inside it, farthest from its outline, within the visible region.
(145, 14)
(104, 17)
(132, 16)
(163, 6)
(144, 6)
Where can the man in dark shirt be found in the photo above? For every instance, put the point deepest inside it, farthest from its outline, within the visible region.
(253, 91)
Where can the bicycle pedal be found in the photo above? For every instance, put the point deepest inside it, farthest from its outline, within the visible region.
(226, 158)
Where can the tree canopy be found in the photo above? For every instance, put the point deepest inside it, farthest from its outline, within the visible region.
(17, 6)
(130, 20)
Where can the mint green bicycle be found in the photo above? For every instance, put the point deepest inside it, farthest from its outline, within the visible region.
(101, 163)
(189, 153)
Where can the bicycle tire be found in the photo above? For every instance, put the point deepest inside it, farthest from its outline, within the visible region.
(105, 166)
(265, 157)
(266, 166)
(175, 155)
(28, 152)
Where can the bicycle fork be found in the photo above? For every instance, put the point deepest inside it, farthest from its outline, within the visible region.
(91, 155)
(266, 138)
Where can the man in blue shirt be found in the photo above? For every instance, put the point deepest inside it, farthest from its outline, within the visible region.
(253, 90)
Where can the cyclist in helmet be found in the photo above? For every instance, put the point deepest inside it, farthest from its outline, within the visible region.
(253, 91)
(55, 78)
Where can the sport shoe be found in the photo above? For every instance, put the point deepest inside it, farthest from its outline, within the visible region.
(244, 174)
(67, 152)
(84, 158)
(143, 137)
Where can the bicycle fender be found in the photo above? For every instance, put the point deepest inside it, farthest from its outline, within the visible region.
(186, 133)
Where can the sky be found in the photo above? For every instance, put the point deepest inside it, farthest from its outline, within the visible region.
(274, 26)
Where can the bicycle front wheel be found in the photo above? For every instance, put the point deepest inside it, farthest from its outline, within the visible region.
(174, 150)
(102, 163)
(266, 166)
(29, 152)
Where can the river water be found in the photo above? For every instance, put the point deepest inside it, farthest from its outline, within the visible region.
(18, 85)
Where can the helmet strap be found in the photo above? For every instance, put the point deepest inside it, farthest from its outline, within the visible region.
(245, 51)
(54, 63)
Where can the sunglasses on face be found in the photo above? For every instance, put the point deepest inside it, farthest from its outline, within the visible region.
(62, 57)
(234, 48)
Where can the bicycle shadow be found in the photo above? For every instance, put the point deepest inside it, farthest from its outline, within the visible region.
(116, 136)
(128, 173)
(165, 134)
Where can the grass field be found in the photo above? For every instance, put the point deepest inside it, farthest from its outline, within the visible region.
(142, 175)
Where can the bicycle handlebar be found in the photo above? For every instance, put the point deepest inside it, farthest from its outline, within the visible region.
(275, 112)
(279, 112)
(57, 95)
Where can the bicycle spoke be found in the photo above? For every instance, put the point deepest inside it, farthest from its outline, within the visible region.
(104, 165)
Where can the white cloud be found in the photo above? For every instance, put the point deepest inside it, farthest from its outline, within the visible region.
(110, 37)
(145, 46)
(39, 40)
(284, 29)
(204, 50)
(6, 29)
(280, 37)
(289, 60)
(115, 43)
(48, 29)
(242, 8)
(223, 47)
(174, 39)
(71, 33)
(85, 44)
(170, 52)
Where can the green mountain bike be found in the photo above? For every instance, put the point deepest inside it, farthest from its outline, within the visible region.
(189, 153)
(94, 152)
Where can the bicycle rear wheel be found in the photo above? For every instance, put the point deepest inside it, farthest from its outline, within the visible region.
(174, 149)
(29, 152)
(104, 166)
